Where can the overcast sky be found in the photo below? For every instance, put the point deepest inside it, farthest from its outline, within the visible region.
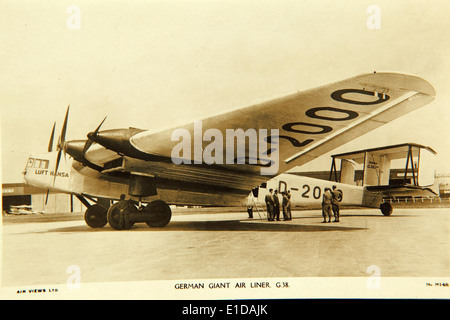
(155, 64)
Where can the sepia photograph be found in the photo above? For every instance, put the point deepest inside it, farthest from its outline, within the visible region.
(211, 150)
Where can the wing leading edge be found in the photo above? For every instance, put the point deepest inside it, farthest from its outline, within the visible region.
(310, 123)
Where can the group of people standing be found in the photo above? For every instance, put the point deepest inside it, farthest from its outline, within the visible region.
(273, 205)
(330, 202)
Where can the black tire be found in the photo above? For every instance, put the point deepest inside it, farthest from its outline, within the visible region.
(386, 208)
(96, 216)
(114, 214)
(160, 212)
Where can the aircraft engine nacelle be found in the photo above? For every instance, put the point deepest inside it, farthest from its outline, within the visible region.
(142, 186)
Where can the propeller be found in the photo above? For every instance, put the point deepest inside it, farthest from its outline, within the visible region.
(89, 142)
(52, 136)
(50, 149)
(46, 197)
(61, 147)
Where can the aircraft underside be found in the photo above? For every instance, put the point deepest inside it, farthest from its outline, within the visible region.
(151, 207)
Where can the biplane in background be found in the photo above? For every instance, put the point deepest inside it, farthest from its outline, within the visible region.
(140, 163)
(22, 209)
(368, 178)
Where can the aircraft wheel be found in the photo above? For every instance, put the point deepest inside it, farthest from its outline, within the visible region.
(95, 216)
(160, 214)
(386, 208)
(114, 217)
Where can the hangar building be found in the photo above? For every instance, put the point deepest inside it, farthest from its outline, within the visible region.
(23, 194)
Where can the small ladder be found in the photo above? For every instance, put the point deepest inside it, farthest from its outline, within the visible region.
(257, 209)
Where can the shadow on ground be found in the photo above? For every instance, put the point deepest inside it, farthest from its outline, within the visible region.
(230, 225)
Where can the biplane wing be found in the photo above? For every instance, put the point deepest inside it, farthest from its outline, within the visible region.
(398, 171)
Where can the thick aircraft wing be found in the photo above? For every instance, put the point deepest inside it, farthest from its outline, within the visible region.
(310, 123)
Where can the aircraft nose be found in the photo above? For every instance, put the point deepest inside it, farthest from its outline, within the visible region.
(75, 149)
(117, 139)
(91, 136)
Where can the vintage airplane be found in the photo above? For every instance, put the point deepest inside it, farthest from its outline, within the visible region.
(142, 164)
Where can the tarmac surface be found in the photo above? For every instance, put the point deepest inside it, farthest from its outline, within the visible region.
(39, 249)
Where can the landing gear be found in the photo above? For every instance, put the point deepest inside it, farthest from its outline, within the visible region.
(156, 214)
(95, 216)
(386, 208)
(160, 214)
(120, 219)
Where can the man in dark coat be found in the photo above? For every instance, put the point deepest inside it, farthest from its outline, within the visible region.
(276, 206)
(286, 206)
(123, 206)
(326, 205)
(337, 196)
(269, 205)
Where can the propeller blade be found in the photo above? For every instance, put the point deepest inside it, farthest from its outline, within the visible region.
(52, 136)
(65, 151)
(98, 128)
(89, 142)
(61, 143)
(46, 197)
(58, 158)
(87, 145)
(64, 128)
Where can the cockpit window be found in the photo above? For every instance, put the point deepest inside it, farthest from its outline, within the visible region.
(30, 162)
(44, 164)
(37, 163)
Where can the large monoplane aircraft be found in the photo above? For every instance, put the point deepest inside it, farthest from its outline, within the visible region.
(200, 164)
